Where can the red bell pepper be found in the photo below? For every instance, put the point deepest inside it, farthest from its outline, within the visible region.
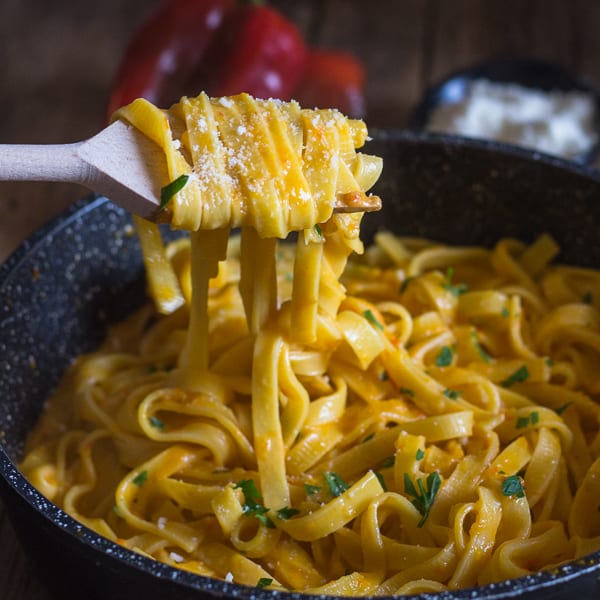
(218, 46)
(333, 79)
(260, 52)
(225, 47)
(166, 50)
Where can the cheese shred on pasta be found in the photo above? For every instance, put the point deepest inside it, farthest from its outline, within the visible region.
(417, 419)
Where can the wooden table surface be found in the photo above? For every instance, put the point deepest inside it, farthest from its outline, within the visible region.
(59, 57)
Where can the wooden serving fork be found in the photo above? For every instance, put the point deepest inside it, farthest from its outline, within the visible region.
(120, 163)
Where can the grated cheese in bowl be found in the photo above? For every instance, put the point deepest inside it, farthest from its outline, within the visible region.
(558, 123)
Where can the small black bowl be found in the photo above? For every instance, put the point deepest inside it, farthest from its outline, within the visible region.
(62, 288)
(529, 73)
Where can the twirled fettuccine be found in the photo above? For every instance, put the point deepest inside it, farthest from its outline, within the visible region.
(264, 165)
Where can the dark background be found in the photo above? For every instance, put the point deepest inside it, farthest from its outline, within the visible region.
(58, 58)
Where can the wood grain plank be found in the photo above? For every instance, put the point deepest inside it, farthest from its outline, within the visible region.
(471, 31)
(586, 39)
(552, 31)
(16, 580)
(387, 38)
(58, 60)
(304, 14)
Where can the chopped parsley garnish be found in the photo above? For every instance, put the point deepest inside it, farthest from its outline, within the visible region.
(390, 461)
(587, 298)
(505, 312)
(368, 314)
(423, 499)
(519, 376)
(420, 454)
(549, 362)
(264, 582)
(381, 480)
(337, 486)
(405, 283)
(312, 489)
(287, 513)
(406, 391)
(249, 489)
(455, 290)
(318, 230)
(117, 511)
(444, 358)
(369, 437)
(156, 422)
(561, 409)
(533, 419)
(513, 486)
(459, 289)
(167, 193)
(452, 394)
(260, 512)
(484, 355)
(383, 376)
(251, 507)
(141, 478)
(289, 277)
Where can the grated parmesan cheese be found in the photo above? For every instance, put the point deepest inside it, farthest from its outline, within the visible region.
(176, 557)
(559, 123)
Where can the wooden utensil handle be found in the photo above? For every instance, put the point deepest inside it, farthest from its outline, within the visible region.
(31, 162)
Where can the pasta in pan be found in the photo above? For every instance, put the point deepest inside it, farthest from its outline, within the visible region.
(416, 419)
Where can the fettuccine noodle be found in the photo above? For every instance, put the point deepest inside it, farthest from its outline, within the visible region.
(418, 419)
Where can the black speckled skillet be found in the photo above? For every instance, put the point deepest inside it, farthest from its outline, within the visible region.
(62, 286)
